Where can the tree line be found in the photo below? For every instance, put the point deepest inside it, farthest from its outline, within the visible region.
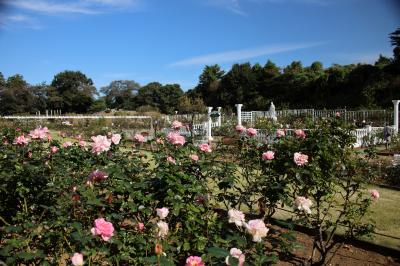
(351, 86)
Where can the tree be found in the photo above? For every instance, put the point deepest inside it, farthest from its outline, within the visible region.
(2, 80)
(395, 41)
(98, 106)
(75, 89)
(121, 94)
(165, 98)
(15, 96)
(209, 82)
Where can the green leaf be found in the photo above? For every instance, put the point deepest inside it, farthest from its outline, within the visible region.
(217, 252)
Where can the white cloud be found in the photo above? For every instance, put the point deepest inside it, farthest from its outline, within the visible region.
(20, 21)
(50, 7)
(231, 5)
(238, 55)
(87, 7)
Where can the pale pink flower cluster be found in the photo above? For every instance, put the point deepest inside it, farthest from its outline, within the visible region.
(240, 128)
(205, 147)
(257, 229)
(251, 132)
(39, 133)
(303, 204)
(116, 138)
(194, 261)
(77, 259)
(139, 138)
(21, 140)
(280, 133)
(175, 138)
(194, 157)
(162, 212)
(162, 229)
(236, 253)
(300, 159)
(374, 194)
(159, 141)
(176, 125)
(67, 144)
(300, 133)
(237, 217)
(102, 228)
(269, 155)
(100, 144)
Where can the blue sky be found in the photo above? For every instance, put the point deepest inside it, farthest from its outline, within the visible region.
(171, 41)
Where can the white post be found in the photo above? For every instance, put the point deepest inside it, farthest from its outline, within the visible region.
(220, 116)
(209, 109)
(396, 115)
(239, 113)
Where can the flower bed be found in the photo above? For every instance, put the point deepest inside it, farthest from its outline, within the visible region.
(98, 204)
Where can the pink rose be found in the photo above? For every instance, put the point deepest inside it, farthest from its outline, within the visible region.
(236, 217)
(103, 228)
(374, 194)
(338, 114)
(236, 253)
(194, 157)
(116, 138)
(53, 149)
(240, 128)
(300, 159)
(251, 132)
(176, 125)
(82, 143)
(171, 160)
(21, 140)
(257, 229)
(100, 144)
(280, 133)
(139, 138)
(78, 137)
(175, 138)
(269, 155)
(194, 261)
(77, 259)
(162, 229)
(97, 176)
(67, 144)
(205, 147)
(38, 133)
(49, 137)
(300, 133)
(303, 204)
(159, 141)
(162, 212)
(140, 226)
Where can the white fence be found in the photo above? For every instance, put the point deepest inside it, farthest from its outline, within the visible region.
(349, 116)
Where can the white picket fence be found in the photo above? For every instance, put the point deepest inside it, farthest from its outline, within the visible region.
(349, 116)
(361, 134)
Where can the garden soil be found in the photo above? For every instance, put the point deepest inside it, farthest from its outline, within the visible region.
(355, 254)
